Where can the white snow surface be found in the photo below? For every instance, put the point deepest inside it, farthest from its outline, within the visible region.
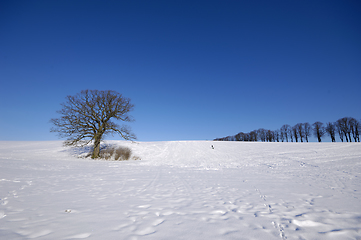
(182, 190)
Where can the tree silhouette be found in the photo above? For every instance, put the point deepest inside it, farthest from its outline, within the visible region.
(88, 116)
(331, 131)
(307, 130)
(319, 130)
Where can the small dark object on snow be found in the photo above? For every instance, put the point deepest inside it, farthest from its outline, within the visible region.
(212, 147)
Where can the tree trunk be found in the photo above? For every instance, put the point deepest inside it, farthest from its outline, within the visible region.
(96, 149)
(319, 137)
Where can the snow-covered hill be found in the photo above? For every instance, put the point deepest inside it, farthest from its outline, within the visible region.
(182, 190)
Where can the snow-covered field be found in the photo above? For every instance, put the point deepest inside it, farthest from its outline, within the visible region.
(182, 190)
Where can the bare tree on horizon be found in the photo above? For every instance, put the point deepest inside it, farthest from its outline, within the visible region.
(307, 130)
(285, 129)
(319, 130)
(331, 130)
(87, 117)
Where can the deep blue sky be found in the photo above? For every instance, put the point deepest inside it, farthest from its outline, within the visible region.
(195, 70)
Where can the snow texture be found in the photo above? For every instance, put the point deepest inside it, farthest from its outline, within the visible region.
(182, 190)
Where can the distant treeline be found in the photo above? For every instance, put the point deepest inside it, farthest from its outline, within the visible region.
(346, 128)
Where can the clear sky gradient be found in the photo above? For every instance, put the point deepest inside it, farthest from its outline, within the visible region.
(195, 70)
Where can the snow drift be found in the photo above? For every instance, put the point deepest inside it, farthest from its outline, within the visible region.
(182, 190)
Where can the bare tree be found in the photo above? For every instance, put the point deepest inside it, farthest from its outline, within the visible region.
(307, 130)
(344, 128)
(295, 132)
(277, 134)
(285, 130)
(282, 135)
(349, 125)
(87, 117)
(355, 129)
(331, 130)
(270, 136)
(339, 131)
(318, 130)
(253, 136)
(247, 137)
(290, 133)
(299, 131)
(240, 136)
(262, 134)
